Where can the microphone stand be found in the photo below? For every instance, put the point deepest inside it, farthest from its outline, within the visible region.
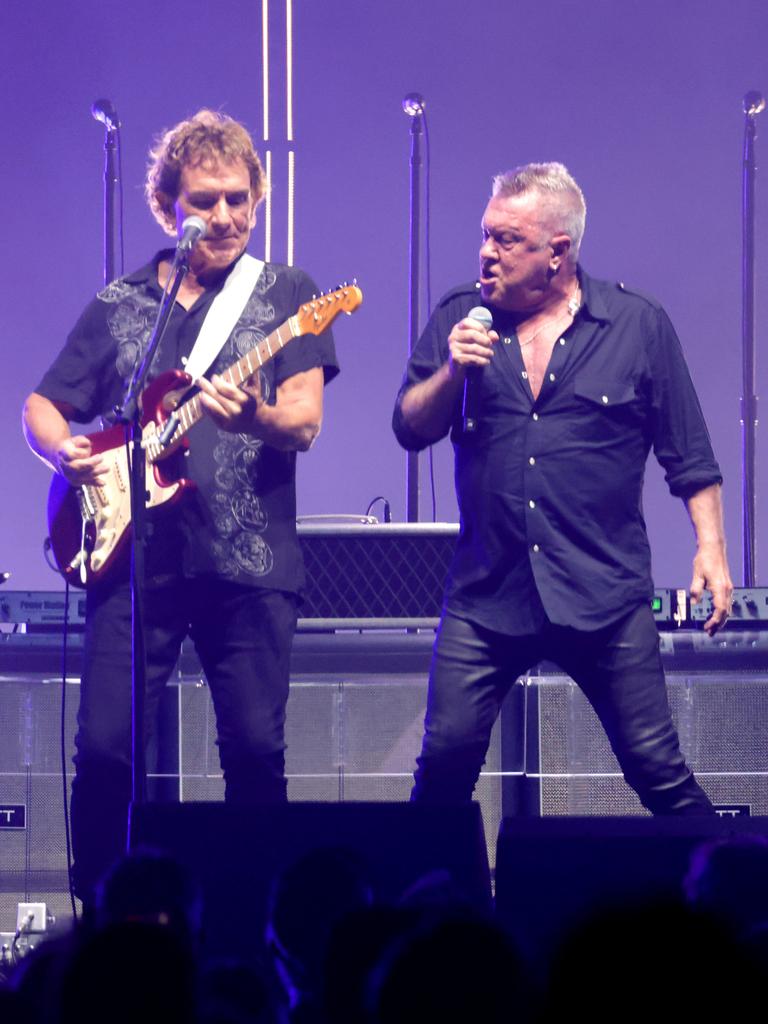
(104, 111)
(413, 105)
(129, 413)
(110, 181)
(754, 103)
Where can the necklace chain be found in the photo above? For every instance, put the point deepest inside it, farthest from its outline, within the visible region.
(574, 305)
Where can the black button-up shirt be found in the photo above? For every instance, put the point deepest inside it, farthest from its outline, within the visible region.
(550, 490)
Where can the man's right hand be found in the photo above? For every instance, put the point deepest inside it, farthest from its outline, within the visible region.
(76, 463)
(469, 344)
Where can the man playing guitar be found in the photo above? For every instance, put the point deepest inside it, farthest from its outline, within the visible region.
(223, 563)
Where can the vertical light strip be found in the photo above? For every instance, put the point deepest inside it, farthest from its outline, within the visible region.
(268, 209)
(181, 751)
(291, 185)
(289, 70)
(265, 65)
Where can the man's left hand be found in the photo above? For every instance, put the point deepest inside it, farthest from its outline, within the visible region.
(710, 572)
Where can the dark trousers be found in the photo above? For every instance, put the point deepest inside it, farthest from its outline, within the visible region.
(618, 668)
(243, 637)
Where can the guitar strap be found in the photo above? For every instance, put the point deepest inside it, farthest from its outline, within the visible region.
(226, 309)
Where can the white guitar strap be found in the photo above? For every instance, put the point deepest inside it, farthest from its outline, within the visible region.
(226, 309)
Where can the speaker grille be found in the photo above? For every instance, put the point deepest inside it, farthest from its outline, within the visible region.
(392, 571)
(722, 721)
(347, 739)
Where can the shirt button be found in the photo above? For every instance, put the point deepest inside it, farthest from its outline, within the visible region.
(531, 504)
(507, 341)
(552, 377)
(525, 375)
(535, 547)
(562, 341)
(535, 416)
(531, 461)
(605, 399)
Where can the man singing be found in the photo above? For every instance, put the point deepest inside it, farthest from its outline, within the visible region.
(572, 385)
(223, 565)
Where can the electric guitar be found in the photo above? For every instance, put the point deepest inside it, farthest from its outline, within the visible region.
(89, 525)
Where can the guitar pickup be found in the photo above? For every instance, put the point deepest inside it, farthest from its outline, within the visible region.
(166, 434)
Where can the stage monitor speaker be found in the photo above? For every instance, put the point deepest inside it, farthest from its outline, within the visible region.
(237, 852)
(552, 872)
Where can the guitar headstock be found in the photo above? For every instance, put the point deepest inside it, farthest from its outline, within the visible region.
(313, 317)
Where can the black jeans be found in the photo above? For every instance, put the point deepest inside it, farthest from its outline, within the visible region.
(243, 637)
(618, 668)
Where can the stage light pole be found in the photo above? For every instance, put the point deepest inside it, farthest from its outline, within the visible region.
(754, 103)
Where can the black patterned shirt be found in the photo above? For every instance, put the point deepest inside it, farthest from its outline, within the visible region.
(239, 521)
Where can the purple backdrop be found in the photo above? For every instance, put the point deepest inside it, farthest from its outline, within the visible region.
(642, 101)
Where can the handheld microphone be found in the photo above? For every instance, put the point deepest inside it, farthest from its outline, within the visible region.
(192, 230)
(471, 397)
(104, 111)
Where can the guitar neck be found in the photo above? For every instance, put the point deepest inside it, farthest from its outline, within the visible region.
(191, 411)
(312, 317)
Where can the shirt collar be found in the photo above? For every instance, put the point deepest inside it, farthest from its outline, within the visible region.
(592, 300)
(148, 273)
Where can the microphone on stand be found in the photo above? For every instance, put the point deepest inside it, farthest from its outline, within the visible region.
(754, 103)
(104, 111)
(471, 397)
(192, 230)
(413, 104)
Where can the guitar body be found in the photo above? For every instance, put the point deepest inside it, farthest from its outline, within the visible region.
(90, 526)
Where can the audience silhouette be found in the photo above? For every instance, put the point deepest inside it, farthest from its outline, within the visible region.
(333, 954)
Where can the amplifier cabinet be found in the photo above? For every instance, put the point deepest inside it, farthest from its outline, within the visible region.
(722, 721)
(371, 575)
(350, 737)
(33, 863)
